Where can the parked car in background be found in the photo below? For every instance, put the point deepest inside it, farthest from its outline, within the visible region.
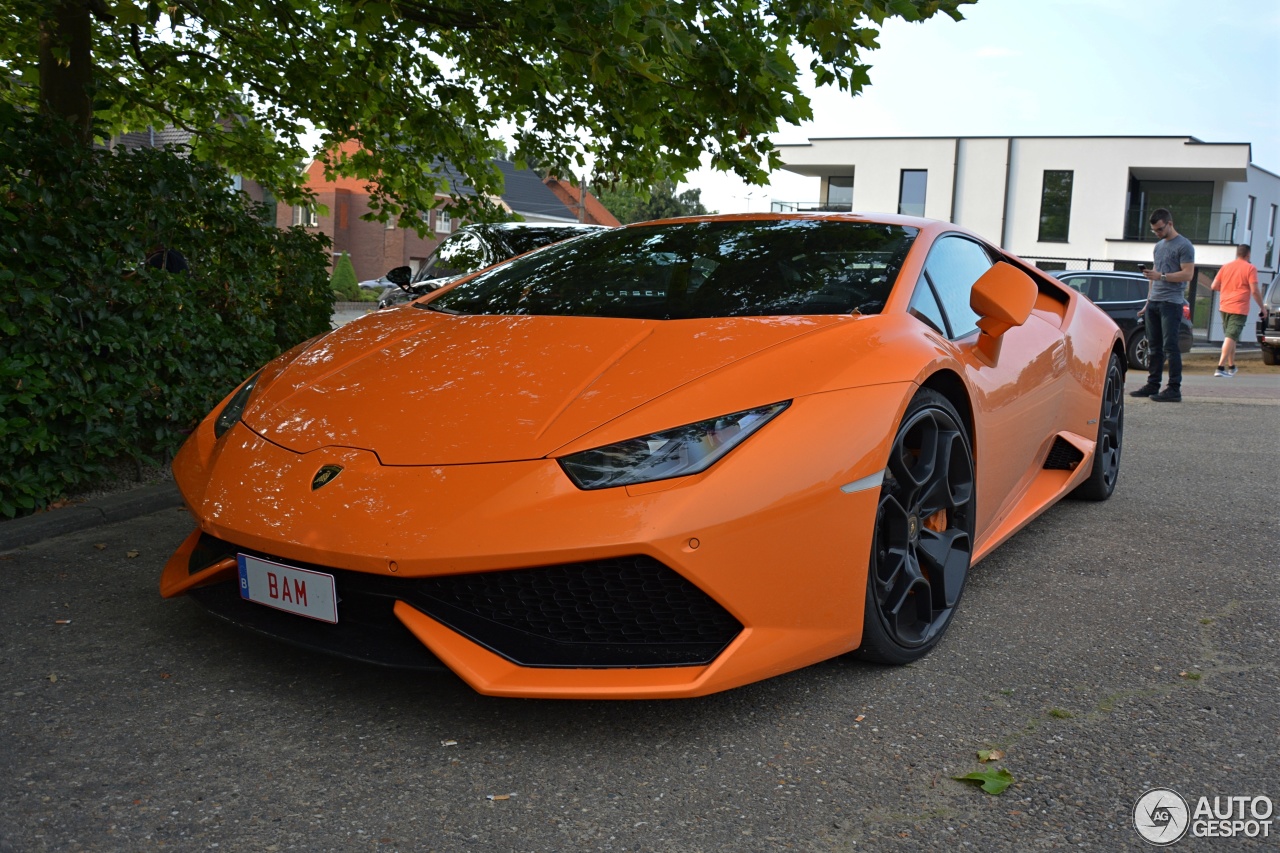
(379, 284)
(475, 247)
(1123, 296)
(1269, 329)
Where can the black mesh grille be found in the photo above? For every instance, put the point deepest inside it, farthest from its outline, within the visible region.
(624, 612)
(565, 615)
(1063, 456)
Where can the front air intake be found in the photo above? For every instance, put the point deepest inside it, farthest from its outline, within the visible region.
(1063, 456)
(624, 612)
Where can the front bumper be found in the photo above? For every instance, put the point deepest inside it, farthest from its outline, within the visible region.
(759, 563)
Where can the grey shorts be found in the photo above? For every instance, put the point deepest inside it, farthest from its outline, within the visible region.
(1233, 325)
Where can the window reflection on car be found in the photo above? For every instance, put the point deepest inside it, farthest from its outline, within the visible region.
(697, 270)
(475, 247)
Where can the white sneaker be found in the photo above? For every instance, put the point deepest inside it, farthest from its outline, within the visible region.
(1222, 372)
(1233, 370)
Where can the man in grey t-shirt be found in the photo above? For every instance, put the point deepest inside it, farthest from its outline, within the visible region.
(1175, 265)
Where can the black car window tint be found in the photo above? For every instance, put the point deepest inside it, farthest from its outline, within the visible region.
(953, 266)
(1112, 289)
(697, 270)
(924, 307)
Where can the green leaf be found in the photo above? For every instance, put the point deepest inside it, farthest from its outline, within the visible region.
(992, 781)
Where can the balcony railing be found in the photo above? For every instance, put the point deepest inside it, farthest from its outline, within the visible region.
(1197, 224)
(810, 207)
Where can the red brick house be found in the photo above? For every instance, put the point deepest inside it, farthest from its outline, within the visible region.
(376, 247)
(588, 210)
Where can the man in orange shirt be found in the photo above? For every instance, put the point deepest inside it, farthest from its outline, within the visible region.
(1237, 281)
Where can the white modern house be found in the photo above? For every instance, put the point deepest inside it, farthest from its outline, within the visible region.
(1060, 201)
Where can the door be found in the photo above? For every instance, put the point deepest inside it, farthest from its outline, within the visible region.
(1016, 398)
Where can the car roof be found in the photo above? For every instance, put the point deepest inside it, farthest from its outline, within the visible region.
(523, 226)
(1111, 273)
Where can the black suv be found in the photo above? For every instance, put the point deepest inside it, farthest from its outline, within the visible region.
(1269, 329)
(1123, 295)
(472, 248)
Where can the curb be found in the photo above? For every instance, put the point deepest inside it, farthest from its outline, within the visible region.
(105, 510)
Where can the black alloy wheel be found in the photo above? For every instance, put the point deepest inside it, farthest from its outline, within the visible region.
(923, 536)
(1106, 453)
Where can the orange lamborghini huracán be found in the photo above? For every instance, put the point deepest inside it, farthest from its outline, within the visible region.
(656, 461)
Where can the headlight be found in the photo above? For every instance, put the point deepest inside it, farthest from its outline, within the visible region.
(235, 407)
(675, 453)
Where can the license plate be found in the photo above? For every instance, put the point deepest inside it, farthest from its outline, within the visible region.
(299, 591)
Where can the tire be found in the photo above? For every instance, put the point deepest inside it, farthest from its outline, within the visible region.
(1139, 350)
(1106, 454)
(923, 541)
(1269, 356)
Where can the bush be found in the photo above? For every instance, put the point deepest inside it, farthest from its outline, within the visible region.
(104, 359)
(344, 283)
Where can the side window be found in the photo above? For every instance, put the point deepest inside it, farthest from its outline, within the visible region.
(924, 307)
(954, 265)
(463, 252)
(1078, 283)
(1120, 290)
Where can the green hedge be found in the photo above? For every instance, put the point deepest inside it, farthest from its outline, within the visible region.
(102, 358)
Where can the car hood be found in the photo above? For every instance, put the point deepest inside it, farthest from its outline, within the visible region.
(424, 388)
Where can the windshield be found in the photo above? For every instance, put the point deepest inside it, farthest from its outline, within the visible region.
(698, 270)
(476, 248)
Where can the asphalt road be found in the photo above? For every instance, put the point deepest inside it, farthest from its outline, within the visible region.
(1107, 649)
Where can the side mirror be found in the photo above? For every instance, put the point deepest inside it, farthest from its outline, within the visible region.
(400, 276)
(1002, 298)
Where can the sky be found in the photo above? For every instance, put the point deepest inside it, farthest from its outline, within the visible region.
(1052, 68)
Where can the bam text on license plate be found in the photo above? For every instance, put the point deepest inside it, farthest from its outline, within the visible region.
(300, 591)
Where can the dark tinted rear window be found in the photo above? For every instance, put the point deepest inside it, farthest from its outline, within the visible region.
(1110, 289)
(698, 269)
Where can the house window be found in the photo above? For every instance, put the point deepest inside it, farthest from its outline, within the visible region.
(911, 192)
(1271, 236)
(1055, 206)
(444, 223)
(1191, 203)
(840, 192)
(391, 223)
(305, 215)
